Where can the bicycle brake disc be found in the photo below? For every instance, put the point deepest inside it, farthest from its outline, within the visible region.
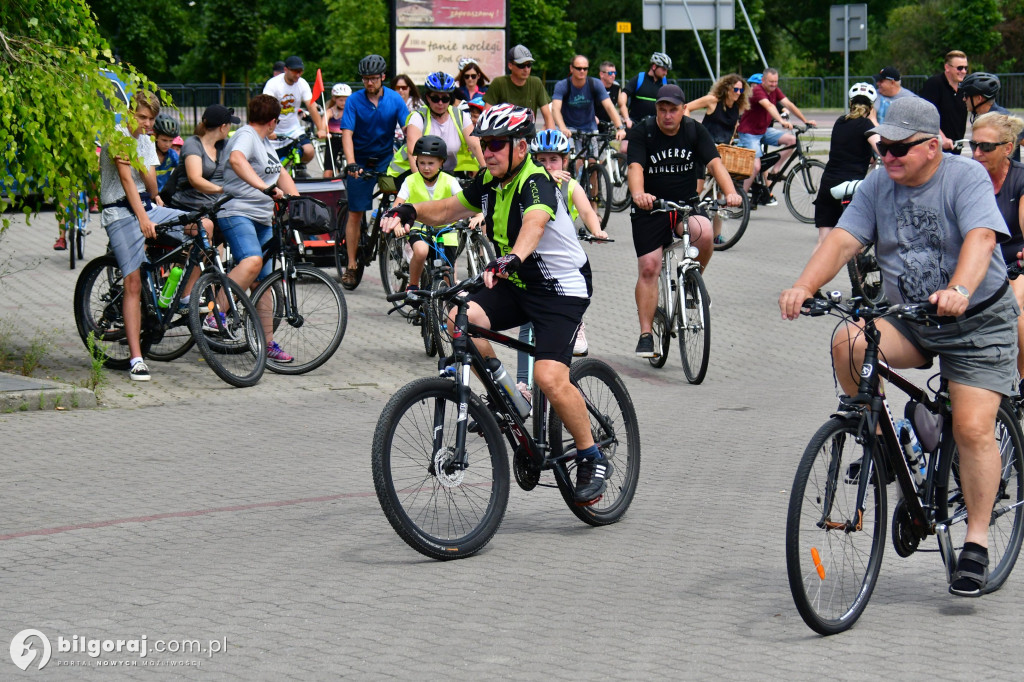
(447, 475)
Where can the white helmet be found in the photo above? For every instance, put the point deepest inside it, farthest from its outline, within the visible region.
(863, 90)
(341, 90)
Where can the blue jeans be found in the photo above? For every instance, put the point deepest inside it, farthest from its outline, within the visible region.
(246, 238)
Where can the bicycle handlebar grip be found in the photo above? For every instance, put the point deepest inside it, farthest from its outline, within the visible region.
(397, 296)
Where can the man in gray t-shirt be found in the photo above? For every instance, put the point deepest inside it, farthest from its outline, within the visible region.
(935, 224)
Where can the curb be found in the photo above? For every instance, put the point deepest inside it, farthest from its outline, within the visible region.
(24, 394)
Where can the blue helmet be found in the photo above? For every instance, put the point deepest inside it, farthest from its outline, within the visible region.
(755, 79)
(439, 81)
(550, 140)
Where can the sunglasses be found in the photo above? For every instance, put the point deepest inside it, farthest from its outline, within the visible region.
(961, 68)
(899, 149)
(610, 73)
(528, 65)
(401, 87)
(987, 147)
(737, 89)
(581, 68)
(437, 99)
(494, 144)
(470, 75)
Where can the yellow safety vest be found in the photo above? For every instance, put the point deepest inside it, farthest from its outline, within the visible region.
(464, 159)
(442, 190)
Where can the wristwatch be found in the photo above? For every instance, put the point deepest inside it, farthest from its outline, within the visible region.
(962, 290)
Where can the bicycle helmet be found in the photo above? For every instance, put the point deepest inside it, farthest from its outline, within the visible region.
(551, 140)
(755, 79)
(439, 81)
(661, 59)
(431, 145)
(865, 90)
(165, 125)
(372, 65)
(477, 103)
(341, 90)
(505, 120)
(980, 83)
(465, 61)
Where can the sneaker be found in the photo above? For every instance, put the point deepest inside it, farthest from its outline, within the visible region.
(580, 349)
(274, 352)
(210, 324)
(525, 390)
(139, 371)
(645, 346)
(719, 239)
(183, 307)
(349, 279)
(61, 244)
(770, 201)
(591, 480)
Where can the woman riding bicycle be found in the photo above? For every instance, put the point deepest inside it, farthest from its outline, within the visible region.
(335, 109)
(248, 168)
(200, 153)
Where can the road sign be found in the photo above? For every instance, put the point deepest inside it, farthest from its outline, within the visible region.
(423, 51)
(672, 15)
(848, 28)
(623, 27)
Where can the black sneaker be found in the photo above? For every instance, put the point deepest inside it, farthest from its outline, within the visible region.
(139, 371)
(591, 480)
(645, 346)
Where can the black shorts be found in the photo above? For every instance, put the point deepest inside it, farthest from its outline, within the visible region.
(556, 319)
(652, 231)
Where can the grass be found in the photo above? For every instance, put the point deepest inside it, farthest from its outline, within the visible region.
(97, 378)
(15, 358)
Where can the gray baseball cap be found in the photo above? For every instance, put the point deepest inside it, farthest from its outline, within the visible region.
(908, 116)
(519, 55)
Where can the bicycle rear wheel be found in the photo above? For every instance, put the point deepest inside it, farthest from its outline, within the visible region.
(614, 425)
(322, 316)
(695, 336)
(662, 337)
(1006, 529)
(173, 342)
(730, 222)
(620, 188)
(437, 321)
(865, 276)
(440, 510)
(833, 553)
(801, 189)
(235, 346)
(599, 189)
(99, 299)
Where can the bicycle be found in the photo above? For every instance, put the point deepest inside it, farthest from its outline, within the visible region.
(684, 306)
(76, 227)
(373, 241)
(309, 314)
(234, 346)
(729, 222)
(591, 175)
(443, 483)
(865, 274)
(615, 162)
(835, 529)
(802, 177)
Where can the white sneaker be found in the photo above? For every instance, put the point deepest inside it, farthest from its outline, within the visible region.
(139, 371)
(581, 348)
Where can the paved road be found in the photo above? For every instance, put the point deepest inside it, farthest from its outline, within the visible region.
(187, 509)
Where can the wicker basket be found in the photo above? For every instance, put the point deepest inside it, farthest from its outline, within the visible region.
(739, 161)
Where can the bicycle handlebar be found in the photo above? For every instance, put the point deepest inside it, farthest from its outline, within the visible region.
(919, 313)
(666, 205)
(447, 293)
(194, 216)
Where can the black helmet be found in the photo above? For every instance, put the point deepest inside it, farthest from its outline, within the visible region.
(980, 83)
(372, 65)
(431, 145)
(165, 125)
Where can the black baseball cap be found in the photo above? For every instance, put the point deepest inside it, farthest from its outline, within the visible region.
(889, 72)
(294, 63)
(671, 93)
(217, 115)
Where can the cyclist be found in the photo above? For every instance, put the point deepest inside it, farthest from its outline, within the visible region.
(165, 129)
(199, 156)
(935, 223)
(607, 75)
(663, 154)
(979, 91)
(542, 274)
(641, 91)
(519, 87)
(887, 82)
(429, 182)
(755, 124)
(851, 152)
(471, 80)
(335, 110)
(441, 119)
(131, 209)
(292, 91)
(367, 132)
(577, 98)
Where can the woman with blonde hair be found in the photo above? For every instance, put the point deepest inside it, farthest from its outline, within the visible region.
(994, 138)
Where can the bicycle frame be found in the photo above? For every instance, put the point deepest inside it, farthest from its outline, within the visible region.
(674, 266)
(769, 159)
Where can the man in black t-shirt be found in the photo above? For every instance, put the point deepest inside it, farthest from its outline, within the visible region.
(663, 155)
(941, 90)
(607, 75)
(642, 90)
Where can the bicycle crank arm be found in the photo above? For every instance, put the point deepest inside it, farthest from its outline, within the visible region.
(946, 550)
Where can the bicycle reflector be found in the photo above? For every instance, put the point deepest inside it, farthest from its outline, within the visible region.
(817, 562)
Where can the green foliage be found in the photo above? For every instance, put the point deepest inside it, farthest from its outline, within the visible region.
(364, 25)
(231, 44)
(544, 27)
(51, 112)
(153, 36)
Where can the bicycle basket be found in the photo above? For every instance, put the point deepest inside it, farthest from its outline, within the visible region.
(308, 216)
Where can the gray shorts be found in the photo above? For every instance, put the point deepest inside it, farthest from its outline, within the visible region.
(127, 241)
(979, 351)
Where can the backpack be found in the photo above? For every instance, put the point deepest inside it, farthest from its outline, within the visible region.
(640, 80)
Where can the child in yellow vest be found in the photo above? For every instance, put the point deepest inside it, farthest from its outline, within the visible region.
(430, 182)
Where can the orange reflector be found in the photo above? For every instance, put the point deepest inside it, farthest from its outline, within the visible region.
(817, 562)
(209, 306)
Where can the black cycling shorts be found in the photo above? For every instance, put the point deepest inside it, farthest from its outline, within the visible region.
(556, 319)
(652, 231)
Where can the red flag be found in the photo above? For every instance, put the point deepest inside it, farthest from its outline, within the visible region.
(318, 86)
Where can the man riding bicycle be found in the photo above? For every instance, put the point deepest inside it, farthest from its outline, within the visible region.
(935, 223)
(541, 276)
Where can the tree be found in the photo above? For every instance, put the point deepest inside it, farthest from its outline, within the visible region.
(364, 25)
(545, 29)
(51, 54)
(152, 35)
(231, 44)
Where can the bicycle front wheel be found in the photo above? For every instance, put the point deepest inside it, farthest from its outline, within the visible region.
(730, 222)
(614, 426)
(394, 270)
(479, 252)
(833, 550)
(866, 276)
(437, 321)
(227, 330)
(1006, 528)
(695, 330)
(599, 189)
(439, 507)
(321, 316)
(801, 189)
(620, 188)
(662, 337)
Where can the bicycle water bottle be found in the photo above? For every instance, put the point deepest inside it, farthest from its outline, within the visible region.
(501, 377)
(912, 450)
(170, 287)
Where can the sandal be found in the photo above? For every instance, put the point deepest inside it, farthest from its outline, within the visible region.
(967, 582)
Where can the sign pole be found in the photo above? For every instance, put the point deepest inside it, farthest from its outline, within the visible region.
(622, 28)
(718, 46)
(846, 57)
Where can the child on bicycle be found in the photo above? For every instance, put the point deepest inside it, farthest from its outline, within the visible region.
(429, 182)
